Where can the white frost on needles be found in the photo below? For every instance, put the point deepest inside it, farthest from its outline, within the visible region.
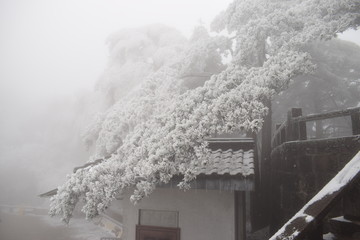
(159, 131)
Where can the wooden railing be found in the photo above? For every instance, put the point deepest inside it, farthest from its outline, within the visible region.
(294, 128)
(308, 221)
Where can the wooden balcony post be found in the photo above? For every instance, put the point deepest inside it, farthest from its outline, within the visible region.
(293, 129)
(240, 215)
(355, 120)
(302, 130)
(278, 137)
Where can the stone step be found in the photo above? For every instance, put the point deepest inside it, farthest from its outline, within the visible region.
(344, 229)
(330, 236)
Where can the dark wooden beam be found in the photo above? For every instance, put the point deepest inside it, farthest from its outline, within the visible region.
(215, 182)
(240, 215)
(294, 128)
(49, 193)
(333, 114)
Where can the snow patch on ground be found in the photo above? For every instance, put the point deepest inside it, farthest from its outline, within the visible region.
(329, 236)
(33, 224)
(84, 229)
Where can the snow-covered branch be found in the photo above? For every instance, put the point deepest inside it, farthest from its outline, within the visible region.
(158, 131)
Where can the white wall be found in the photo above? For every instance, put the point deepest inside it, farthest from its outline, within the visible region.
(203, 215)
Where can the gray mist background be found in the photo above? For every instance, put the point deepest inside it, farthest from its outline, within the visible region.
(51, 54)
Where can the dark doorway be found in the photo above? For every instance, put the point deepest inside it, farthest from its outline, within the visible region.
(157, 233)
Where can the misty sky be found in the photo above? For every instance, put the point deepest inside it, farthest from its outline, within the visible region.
(51, 52)
(56, 49)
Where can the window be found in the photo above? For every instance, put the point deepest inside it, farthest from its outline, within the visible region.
(157, 233)
(160, 218)
(158, 225)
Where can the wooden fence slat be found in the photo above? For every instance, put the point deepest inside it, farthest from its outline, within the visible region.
(294, 128)
(333, 114)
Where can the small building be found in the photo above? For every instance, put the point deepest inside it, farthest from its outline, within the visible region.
(223, 204)
(214, 207)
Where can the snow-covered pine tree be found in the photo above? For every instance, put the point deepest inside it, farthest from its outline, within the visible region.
(159, 131)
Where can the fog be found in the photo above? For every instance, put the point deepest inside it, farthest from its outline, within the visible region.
(52, 53)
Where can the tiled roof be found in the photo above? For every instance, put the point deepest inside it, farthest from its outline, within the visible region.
(232, 162)
(229, 166)
(233, 157)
